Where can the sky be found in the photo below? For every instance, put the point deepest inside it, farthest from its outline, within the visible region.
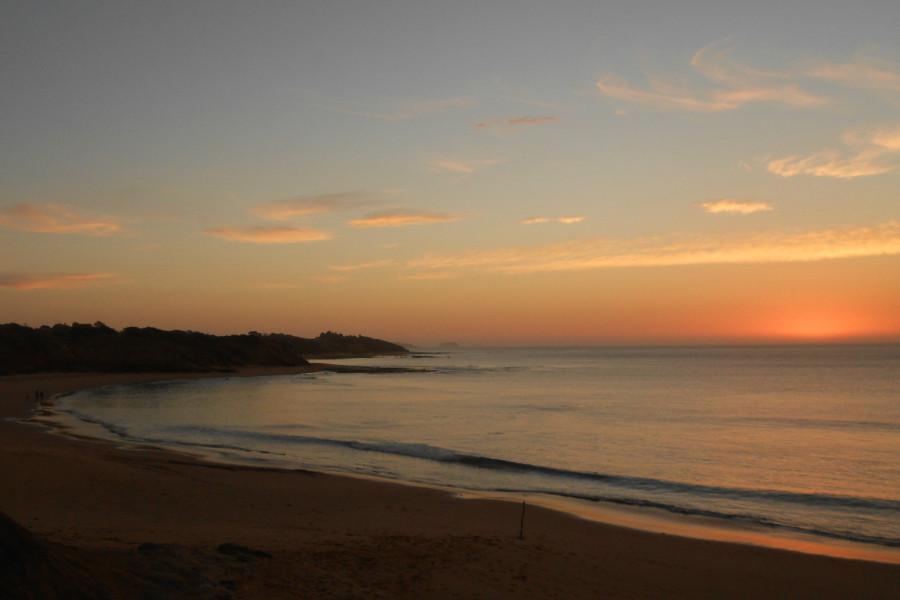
(494, 172)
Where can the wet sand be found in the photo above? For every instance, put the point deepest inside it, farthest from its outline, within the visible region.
(145, 519)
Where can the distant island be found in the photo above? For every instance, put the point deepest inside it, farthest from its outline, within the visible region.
(97, 347)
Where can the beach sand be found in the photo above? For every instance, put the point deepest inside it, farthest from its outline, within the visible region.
(150, 523)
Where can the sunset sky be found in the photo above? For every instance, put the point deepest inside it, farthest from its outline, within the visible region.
(500, 172)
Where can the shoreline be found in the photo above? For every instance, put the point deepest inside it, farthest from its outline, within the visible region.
(33, 444)
(649, 519)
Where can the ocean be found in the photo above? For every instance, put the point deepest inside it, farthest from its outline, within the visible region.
(788, 439)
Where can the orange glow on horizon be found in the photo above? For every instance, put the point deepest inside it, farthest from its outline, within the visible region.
(822, 325)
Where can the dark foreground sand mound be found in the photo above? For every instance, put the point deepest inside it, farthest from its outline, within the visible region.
(32, 569)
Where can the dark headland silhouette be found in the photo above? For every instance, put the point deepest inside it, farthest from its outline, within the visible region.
(97, 347)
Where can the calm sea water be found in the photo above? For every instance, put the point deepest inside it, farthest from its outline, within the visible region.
(801, 439)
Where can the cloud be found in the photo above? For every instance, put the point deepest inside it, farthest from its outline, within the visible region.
(667, 96)
(887, 140)
(664, 251)
(364, 266)
(56, 218)
(344, 270)
(304, 206)
(462, 167)
(536, 103)
(829, 163)
(787, 94)
(738, 207)
(660, 95)
(408, 110)
(570, 220)
(736, 85)
(26, 282)
(431, 276)
(516, 122)
(860, 73)
(871, 153)
(715, 63)
(269, 235)
(401, 218)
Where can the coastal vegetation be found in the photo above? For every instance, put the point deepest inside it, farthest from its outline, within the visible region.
(97, 347)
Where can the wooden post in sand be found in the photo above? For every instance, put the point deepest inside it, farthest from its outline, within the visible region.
(522, 523)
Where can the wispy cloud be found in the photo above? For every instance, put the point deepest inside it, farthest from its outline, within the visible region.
(27, 282)
(401, 218)
(754, 248)
(516, 122)
(363, 266)
(735, 207)
(715, 63)
(454, 166)
(569, 220)
(431, 276)
(659, 94)
(735, 86)
(304, 206)
(463, 167)
(536, 103)
(56, 218)
(860, 73)
(869, 153)
(405, 111)
(667, 96)
(269, 235)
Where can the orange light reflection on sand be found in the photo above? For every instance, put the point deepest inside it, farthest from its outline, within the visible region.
(656, 521)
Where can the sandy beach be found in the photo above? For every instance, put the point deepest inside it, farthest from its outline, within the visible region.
(151, 523)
